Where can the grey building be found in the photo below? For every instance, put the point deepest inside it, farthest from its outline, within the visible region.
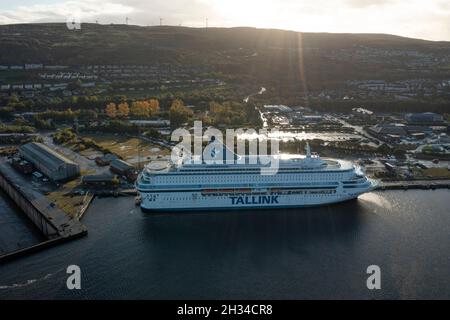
(49, 162)
(120, 167)
(101, 180)
(123, 168)
(106, 159)
(385, 129)
(426, 117)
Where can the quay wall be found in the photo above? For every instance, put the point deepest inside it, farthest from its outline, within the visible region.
(411, 185)
(46, 226)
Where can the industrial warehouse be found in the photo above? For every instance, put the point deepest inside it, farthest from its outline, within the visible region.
(123, 168)
(50, 163)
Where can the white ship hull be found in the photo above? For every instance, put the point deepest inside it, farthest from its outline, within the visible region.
(191, 201)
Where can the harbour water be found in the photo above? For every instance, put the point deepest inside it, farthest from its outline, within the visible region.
(303, 253)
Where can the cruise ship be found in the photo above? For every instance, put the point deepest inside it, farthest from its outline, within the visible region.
(300, 181)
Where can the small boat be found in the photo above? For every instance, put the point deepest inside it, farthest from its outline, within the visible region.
(137, 200)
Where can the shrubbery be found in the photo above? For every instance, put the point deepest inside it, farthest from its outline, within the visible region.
(65, 136)
(16, 129)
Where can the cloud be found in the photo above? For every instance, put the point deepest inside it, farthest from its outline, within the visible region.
(60, 12)
(367, 3)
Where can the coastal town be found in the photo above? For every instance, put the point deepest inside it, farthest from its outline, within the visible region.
(36, 80)
(66, 166)
(73, 132)
(74, 153)
(213, 151)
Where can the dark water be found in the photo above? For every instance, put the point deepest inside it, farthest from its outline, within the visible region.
(16, 231)
(287, 254)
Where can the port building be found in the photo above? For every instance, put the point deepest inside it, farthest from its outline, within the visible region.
(385, 129)
(100, 180)
(106, 159)
(49, 162)
(123, 168)
(120, 167)
(426, 117)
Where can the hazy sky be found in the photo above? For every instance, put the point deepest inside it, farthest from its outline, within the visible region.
(427, 19)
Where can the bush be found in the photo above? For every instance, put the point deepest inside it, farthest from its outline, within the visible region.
(16, 129)
(65, 136)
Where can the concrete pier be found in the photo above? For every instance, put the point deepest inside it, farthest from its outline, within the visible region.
(417, 184)
(54, 223)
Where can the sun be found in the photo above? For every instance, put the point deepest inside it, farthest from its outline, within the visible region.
(277, 14)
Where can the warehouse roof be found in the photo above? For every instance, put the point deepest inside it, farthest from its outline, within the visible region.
(121, 165)
(45, 154)
(99, 178)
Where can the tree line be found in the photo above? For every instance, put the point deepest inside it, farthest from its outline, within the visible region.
(139, 109)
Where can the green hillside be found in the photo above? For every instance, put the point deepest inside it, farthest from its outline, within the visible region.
(272, 56)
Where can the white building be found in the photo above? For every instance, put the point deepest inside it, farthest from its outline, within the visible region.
(34, 66)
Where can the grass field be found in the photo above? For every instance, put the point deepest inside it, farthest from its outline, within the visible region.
(128, 148)
(69, 204)
(437, 172)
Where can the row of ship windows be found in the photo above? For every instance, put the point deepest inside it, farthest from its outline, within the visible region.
(354, 186)
(321, 194)
(281, 193)
(187, 188)
(281, 170)
(232, 179)
(229, 172)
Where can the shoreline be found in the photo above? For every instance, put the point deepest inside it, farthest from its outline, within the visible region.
(54, 224)
(69, 228)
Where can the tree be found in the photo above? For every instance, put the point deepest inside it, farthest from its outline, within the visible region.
(70, 113)
(222, 113)
(111, 110)
(207, 121)
(87, 114)
(144, 108)
(384, 149)
(215, 107)
(153, 133)
(76, 85)
(400, 154)
(135, 109)
(154, 106)
(123, 110)
(13, 99)
(179, 113)
(120, 98)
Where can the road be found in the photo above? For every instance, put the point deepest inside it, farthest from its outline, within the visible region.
(261, 91)
(360, 130)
